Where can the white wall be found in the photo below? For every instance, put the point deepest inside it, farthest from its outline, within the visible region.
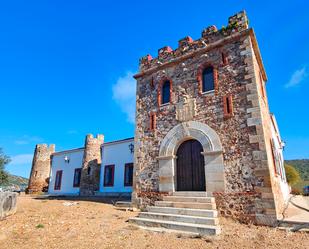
(58, 163)
(118, 154)
(278, 144)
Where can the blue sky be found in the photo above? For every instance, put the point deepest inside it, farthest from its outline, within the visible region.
(66, 66)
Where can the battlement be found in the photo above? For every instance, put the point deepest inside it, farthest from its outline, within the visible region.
(45, 148)
(90, 139)
(236, 23)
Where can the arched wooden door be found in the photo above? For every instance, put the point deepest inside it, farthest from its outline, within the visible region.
(190, 169)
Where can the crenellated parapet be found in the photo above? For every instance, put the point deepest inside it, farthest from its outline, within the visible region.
(236, 23)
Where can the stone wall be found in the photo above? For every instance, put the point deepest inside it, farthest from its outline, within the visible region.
(39, 176)
(90, 177)
(8, 204)
(147, 198)
(240, 205)
(233, 52)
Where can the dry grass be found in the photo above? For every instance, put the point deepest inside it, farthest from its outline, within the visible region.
(50, 224)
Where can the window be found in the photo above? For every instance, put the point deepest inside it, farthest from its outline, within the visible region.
(58, 180)
(166, 94)
(224, 59)
(152, 125)
(228, 106)
(109, 175)
(89, 171)
(35, 173)
(152, 83)
(77, 175)
(128, 174)
(208, 79)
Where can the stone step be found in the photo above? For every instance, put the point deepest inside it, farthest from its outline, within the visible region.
(190, 193)
(189, 199)
(192, 205)
(123, 204)
(179, 218)
(294, 226)
(184, 211)
(174, 225)
(183, 234)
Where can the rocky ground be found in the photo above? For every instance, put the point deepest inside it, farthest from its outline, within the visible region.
(62, 223)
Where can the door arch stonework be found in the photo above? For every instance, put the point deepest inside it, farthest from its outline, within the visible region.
(212, 152)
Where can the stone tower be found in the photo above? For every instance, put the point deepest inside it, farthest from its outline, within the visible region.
(90, 177)
(226, 123)
(39, 176)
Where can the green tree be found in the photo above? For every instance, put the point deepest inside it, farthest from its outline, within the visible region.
(292, 174)
(4, 160)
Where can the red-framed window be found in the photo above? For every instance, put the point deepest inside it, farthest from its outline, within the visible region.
(77, 175)
(228, 106)
(109, 171)
(208, 79)
(166, 92)
(128, 174)
(152, 125)
(224, 58)
(58, 180)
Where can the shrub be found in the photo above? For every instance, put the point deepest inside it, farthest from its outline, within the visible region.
(292, 174)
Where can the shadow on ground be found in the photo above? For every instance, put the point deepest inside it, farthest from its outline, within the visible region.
(98, 199)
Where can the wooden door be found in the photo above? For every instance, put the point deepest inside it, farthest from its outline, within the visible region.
(190, 172)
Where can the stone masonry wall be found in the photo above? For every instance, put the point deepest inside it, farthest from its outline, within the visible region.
(40, 171)
(231, 52)
(90, 177)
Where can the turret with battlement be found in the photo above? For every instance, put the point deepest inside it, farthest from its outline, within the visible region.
(90, 177)
(39, 177)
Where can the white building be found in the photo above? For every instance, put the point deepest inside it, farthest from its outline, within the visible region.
(116, 170)
(277, 151)
(117, 167)
(65, 167)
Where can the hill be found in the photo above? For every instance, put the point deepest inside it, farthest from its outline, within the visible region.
(302, 166)
(13, 180)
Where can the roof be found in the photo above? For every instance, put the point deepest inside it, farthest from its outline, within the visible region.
(82, 148)
(67, 151)
(118, 141)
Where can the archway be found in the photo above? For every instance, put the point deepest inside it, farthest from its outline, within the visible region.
(212, 155)
(190, 168)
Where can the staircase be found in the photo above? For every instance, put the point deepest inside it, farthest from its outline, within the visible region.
(190, 213)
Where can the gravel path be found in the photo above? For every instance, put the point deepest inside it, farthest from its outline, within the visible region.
(88, 224)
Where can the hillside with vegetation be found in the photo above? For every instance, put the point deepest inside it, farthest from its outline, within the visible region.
(302, 166)
(8, 181)
(13, 181)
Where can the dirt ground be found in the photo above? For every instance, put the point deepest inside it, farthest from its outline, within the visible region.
(41, 223)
